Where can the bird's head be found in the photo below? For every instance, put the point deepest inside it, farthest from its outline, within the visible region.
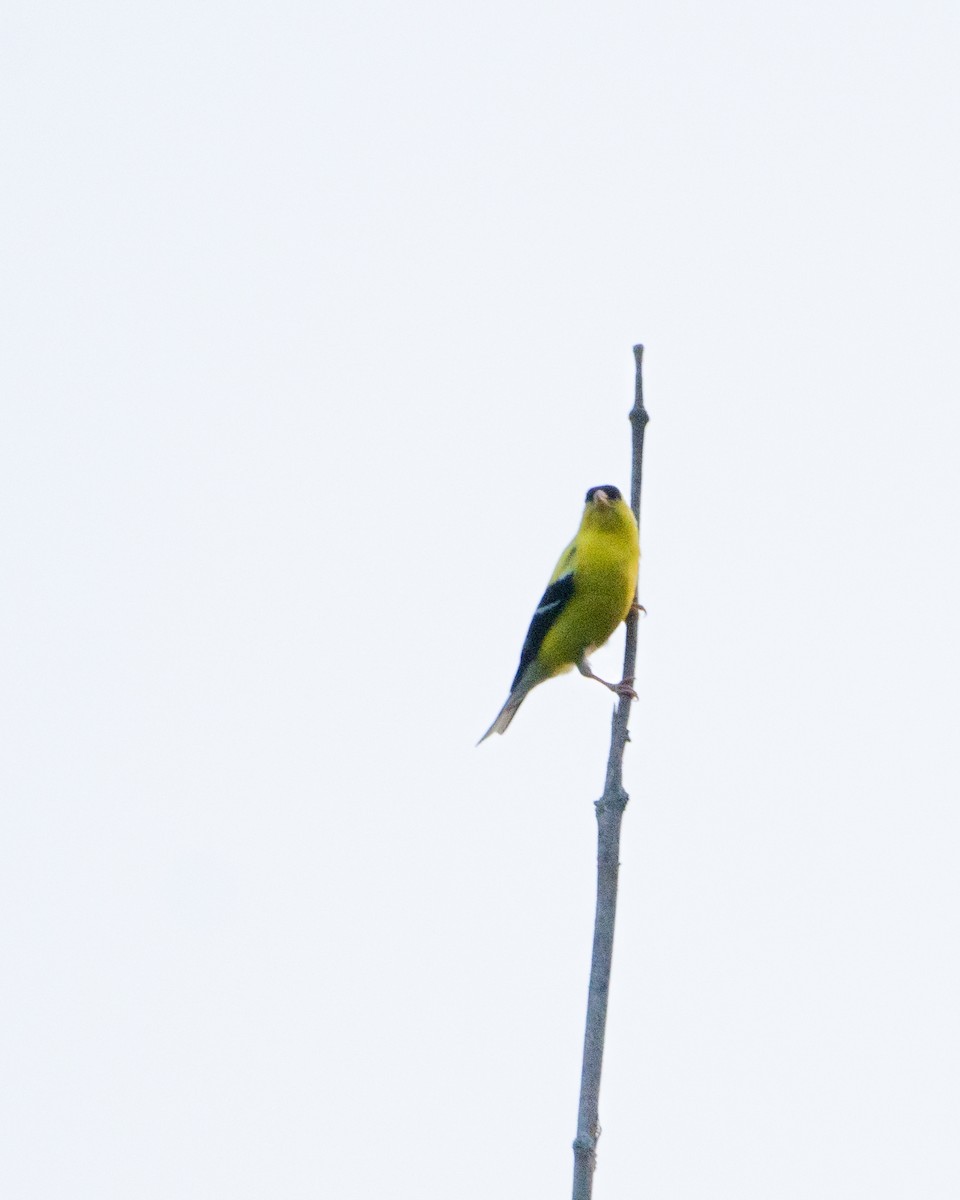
(605, 507)
(603, 496)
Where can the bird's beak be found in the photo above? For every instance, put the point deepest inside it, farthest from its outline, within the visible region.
(601, 499)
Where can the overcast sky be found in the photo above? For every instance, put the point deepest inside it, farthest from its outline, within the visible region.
(316, 327)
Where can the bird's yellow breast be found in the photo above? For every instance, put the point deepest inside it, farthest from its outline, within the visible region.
(605, 583)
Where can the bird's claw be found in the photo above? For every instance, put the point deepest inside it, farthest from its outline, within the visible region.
(624, 689)
(637, 609)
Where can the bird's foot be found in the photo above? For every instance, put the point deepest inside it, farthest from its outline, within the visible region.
(636, 609)
(624, 688)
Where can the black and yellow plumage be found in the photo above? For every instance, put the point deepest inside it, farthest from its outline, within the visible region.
(590, 592)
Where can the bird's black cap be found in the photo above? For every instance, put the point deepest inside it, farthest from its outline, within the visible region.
(612, 492)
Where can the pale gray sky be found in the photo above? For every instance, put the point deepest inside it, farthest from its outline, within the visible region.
(316, 327)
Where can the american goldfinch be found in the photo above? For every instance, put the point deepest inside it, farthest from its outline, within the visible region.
(590, 592)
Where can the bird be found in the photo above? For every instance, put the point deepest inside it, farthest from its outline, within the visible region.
(592, 589)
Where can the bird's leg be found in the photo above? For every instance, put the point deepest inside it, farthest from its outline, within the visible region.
(622, 688)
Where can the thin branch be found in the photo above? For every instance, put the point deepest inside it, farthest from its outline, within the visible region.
(609, 808)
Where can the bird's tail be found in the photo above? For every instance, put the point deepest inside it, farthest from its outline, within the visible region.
(529, 680)
(505, 715)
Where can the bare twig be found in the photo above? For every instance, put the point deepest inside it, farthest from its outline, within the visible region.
(610, 808)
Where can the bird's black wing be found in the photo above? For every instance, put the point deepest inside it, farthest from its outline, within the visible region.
(552, 603)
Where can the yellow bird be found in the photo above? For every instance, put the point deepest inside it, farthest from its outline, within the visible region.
(590, 592)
